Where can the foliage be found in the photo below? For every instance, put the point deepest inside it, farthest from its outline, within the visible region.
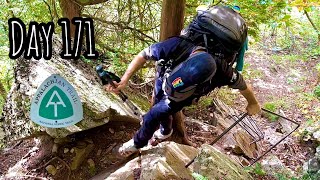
(227, 95)
(317, 91)
(256, 170)
(274, 106)
(311, 176)
(310, 130)
(197, 176)
(251, 73)
(203, 103)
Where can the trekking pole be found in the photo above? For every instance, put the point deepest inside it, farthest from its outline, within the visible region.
(108, 78)
(222, 134)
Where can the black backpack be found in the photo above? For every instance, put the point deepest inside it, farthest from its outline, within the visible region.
(220, 29)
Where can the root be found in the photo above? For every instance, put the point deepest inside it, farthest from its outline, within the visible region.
(57, 158)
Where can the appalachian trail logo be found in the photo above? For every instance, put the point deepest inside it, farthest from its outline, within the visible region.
(56, 104)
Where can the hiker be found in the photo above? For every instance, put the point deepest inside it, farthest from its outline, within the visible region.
(185, 72)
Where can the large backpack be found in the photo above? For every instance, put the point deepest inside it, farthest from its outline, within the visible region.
(220, 29)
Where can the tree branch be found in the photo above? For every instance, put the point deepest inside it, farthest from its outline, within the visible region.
(310, 20)
(313, 25)
(49, 9)
(108, 48)
(93, 2)
(121, 25)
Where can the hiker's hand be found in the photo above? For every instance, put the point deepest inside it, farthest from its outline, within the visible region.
(118, 86)
(253, 109)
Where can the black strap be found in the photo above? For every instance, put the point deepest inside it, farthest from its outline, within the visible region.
(181, 52)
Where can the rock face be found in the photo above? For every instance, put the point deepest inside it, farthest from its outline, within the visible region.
(168, 160)
(165, 161)
(99, 106)
(213, 164)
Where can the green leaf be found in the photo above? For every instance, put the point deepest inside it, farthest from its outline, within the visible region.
(199, 176)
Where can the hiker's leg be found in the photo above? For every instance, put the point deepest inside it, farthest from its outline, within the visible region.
(166, 125)
(151, 122)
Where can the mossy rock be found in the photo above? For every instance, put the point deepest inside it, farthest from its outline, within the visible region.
(213, 164)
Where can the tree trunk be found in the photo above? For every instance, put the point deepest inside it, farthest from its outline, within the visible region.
(3, 92)
(313, 25)
(70, 9)
(73, 8)
(172, 16)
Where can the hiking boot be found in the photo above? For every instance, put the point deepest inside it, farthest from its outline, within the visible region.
(158, 137)
(128, 148)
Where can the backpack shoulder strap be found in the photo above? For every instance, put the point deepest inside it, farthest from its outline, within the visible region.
(181, 52)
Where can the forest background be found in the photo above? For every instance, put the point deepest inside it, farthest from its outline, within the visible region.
(286, 32)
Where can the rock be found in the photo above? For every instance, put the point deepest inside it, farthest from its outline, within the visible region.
(286, 125)
(81, 144)
(98, 106)
(239, 159)
(59, 167)
(271, 136)
(167, 160)
(99, 152)
(229, 143)
(91, 163)
(237, 150)
(244, 161)
(62, 141)
(65, 150)
(111, 130)
(81, 155)
(87, 140)
(313, 165)
(55, 148)
(305, 167)
(92, 168)
(316, 135)
(244, 142)
(273, 165)
(51, 170)
(317, 154)
(118, 135)
(213, 164)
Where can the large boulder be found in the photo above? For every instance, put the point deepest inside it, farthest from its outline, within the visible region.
(99, 107)
(168, 160)
(165, 161)
(213, 164)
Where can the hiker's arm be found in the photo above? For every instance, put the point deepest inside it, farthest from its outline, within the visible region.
(235, 80)
(253, 106)
(155, 52)
(137, 62)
